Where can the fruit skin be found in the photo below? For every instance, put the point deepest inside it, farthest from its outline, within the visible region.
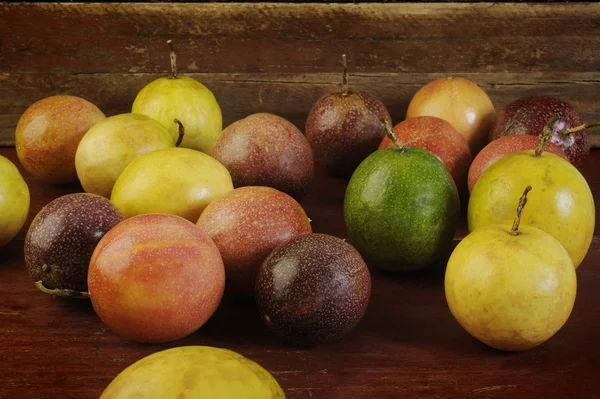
(510, 292)
(62, 237)
(344, 128)
(504, 146)
(459, 101)
(110, 145)
(560, 204)
(156, 278)
(528, 115)
(266, 150)
(313, 289)
(438, 137)
(14, 201)
(194, 372)
(48, 133)
(178, 181)
(188, 100)
(246, 224)
(401, 209)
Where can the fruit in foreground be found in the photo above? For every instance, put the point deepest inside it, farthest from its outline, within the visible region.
(178, 181)
(61, 239)
(401, 207)
(156, 278)
(48, 134)
(528, 115)
(459, 101)
(313, 289)
(504, 146)
(561, 205)
(185, 99)
(438, 137)
(266, 150)
(14, 201)
(343, 127)
(511, 288)
(112, 144)
(246, 224)
(194, 372)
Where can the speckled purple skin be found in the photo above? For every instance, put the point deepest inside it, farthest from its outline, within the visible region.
(343, 129)
(528, 115)
(63, 236)
(313, 289)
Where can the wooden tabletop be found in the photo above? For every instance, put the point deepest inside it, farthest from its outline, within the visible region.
(407, 346)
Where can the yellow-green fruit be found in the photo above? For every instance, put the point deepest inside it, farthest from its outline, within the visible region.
(189, 101)
(194, 372)
(112, 144)
(510, 292)
(178, 181)
(561, 202)
(14, 201)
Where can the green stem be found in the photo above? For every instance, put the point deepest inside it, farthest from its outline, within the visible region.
(63, 293)
(389, 132)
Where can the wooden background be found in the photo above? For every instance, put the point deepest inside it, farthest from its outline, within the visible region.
(281, 57)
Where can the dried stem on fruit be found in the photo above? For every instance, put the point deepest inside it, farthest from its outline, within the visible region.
(344, 75)
(522, 201)
(580, 128)
(181, 132)
(173, 57)
(389, 132)
(63, 293)
(545, 135)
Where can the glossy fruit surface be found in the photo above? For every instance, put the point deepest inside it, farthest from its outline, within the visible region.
(14, 201)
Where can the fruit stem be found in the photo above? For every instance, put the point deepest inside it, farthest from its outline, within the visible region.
(173, 57)
(389, 132)
(545, 135)
(522, 201)
(63, 293)
(181, 132)
(344, 75)
(580, 128)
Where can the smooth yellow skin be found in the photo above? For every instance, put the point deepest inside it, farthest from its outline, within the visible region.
(510, 292)
(560, 202)
(14, 201)
(194, 372)
(112, 144)
(189, 101)
(178, 181)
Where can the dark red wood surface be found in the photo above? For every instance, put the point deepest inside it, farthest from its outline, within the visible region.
(407, 346)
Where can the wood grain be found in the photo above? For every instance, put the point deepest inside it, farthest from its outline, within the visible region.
(407, 345)
(281, 57)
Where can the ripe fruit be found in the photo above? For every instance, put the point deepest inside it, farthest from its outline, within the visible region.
(156, 278)
(178, 181)
(266, 150)
(401, 208)
(14, 201)
(459, 101)
(48, 133)
(62, 238)
(504, 146)
(562, 204)
(528, 115)
(186, 99)
(110, 145)
(343, 127)
(194, 372)
(511, 288)
(246, 224)
(438, 137)
(313, 289)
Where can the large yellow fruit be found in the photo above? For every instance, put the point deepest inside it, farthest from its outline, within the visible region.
(561, 203)
(14, 201)
(178, 181)
(194, 372)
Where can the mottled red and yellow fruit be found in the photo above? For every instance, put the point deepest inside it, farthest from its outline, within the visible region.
(156, 278)
(438, 137)
(266, 150)
(504, 146)
(48, 134)
(459, 101)
(343, 128)
(246, 225)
